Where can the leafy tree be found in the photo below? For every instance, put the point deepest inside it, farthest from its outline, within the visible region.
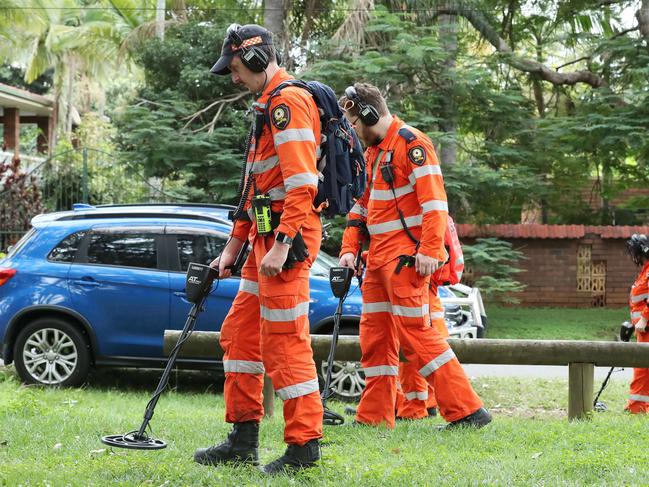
(185, 123)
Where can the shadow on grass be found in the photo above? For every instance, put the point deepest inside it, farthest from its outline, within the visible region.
(143, 380)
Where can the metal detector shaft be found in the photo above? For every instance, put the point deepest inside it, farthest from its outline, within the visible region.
(332, 350)
(187, 329)
(601, 389)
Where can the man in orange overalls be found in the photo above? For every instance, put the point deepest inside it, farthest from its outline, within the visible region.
(267, 328)
(638, 247)
(404, 209)
(415, 396)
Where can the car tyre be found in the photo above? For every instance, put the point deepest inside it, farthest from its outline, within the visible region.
(351, 379)
(52, 352)
(482, 330)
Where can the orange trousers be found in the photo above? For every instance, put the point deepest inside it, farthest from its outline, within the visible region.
(267, 330)
(415, 396)
(396, 315)
(638, 402)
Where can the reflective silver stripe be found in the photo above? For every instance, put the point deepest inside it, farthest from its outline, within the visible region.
(426, 170)
(639, 297)
(276, 194)
(248, 286)
(264, 165)
(410, 311)
(381, 370)
(243, 366)
(297, 390)
(391, 226)
(302, 179)
(290, 314)
(293, 135)
(437, 362)
(380, 307)
(459, 260)
(386, 194)
(358, 210)
(639, 397)
(436, 315)
(422, 396)
(434, 205)
(636, 314)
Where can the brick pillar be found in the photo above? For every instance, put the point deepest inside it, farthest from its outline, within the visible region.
(12, 130)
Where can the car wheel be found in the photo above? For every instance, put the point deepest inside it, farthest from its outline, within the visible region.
(482, 330)
(52, 352)
(347, 378)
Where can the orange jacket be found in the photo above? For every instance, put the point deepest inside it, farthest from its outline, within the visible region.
(419, 187)
(283, 160)
(639, 295)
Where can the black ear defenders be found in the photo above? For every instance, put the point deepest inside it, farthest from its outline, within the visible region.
(367, 113)
(252, 57)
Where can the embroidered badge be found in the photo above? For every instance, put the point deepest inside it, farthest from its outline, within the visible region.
(281, 116)
(417, 155)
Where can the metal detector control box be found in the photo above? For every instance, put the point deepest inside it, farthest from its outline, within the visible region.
(199, 281)
(340, 278)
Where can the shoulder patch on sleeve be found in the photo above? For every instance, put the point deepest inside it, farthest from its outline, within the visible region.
(417, 155)
(281, 116)
(407, 135)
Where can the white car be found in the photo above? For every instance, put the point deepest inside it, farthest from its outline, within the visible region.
(465, 317)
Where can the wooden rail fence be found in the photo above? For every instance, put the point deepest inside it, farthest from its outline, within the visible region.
(581, 357)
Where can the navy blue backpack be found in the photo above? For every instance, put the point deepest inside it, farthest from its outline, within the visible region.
(341, 161)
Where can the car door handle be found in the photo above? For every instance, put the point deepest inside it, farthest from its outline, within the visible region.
(180, 294)
(87, 281)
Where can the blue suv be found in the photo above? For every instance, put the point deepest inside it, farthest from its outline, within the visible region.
(97, 286)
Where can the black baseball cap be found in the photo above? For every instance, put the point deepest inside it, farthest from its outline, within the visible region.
(249, 35)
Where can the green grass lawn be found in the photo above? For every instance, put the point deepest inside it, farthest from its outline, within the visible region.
(51, 437)
(555, 323)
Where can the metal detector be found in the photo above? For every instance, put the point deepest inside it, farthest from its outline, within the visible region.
(340, 279)
(626, 332)
(198, 285)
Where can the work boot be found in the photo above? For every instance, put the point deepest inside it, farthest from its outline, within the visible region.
(295, 458)
(476, 420)
(240, 447)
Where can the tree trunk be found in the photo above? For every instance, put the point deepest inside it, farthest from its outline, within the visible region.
(72, 72)
(643, 19)
(160, 19)
(448, 41)
(275, 14)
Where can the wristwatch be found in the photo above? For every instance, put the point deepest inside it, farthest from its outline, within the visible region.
(283, 238)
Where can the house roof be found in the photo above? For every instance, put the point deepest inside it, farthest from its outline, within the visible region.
(536, 231)
(28, 103)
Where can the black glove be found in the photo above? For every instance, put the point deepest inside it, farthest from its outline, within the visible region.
(297, 253)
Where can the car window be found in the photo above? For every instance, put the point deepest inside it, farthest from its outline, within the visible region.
(13, 249)
(66, 248)
(201, 249)
(322, 264)
(123, 249)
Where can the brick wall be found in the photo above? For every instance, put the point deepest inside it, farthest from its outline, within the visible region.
(550, 271)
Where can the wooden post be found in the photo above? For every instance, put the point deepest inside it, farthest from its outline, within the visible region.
(269, 397)
(580, 389)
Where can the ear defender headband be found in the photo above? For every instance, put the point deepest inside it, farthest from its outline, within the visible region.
(367, 113)
(252, 57)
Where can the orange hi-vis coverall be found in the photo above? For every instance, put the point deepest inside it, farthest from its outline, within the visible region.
(267, 328)
(639, 393)
(395, 306)
(415, 396)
